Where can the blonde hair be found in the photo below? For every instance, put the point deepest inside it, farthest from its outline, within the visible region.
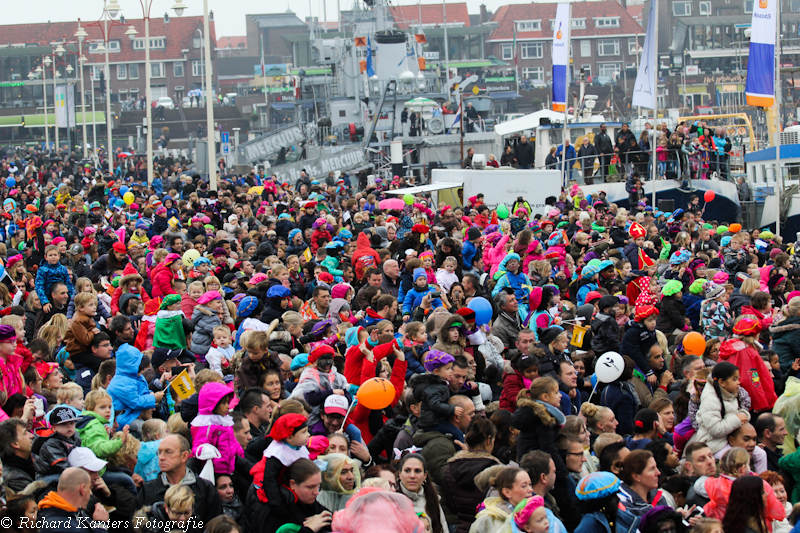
(84, 298)
(594, 414)
(231, 308)
(94, 397)
(15, 321)
(604, 440)
(154, 429)
(706, 525)
(749, 286)
(159, 255)
(197, 285)
(792, 308)
(60, 321)
(176, 425)
(128, 453)
(254, 340)
(68, 392)
(207, 376)
(179, 498)
(542, 268)
(733, 460)
(52, 335)
(292, 318)
(221, 330)
(79, 286)
(211, 279)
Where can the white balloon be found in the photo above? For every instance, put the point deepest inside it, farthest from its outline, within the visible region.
(609, 367)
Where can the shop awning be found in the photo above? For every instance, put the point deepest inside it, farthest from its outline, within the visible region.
(37, 121)
(505, 95)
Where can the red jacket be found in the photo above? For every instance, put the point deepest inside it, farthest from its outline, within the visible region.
(364, 256)
(512, 384)
(27, 357)
(354, 362)
(187, 305)
(118, 294)
(162, 277)
(360, 416)
(764, 320)
(754, 374)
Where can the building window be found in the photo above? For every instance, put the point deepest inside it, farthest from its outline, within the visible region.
(533, 73)
(507, 49)
(156, 43)
(748, 6)
(177, 69)
(157, 70)
(133, 71)
(197, 42)
(532, 50)
(794, 6)
(587, 69)
(633, 44)
(198, 68)
(608, 47)
(578, 24)
(586, 48)
(113, 47)
(607, 69)
(95, 70)
(705, 8)
(684, 9)
(122, 72)
(529, 25)
(606, 22)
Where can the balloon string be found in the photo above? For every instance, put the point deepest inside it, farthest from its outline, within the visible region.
(590, 396)
(349, 409)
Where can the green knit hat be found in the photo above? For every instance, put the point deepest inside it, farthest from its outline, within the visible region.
(697, 286)
(673, 286)
(169, 299)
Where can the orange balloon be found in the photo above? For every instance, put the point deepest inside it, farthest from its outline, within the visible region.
(376, 393)
(694, 344)
(735, 228)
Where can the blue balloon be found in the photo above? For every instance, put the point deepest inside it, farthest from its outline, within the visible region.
(123, 189)
(483, 310)
(10, 182)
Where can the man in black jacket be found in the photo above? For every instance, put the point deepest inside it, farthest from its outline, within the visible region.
(15, 453)
(173, 453)
(74, 492)
(604, 148)
(624, 138)
(524, 156)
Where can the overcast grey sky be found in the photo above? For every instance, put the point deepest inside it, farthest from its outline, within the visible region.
(228, 14)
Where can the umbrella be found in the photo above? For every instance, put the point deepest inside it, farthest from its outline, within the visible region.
(258, 189)
(191, 173)
(421, 102)
(124, 154)
(391, 204)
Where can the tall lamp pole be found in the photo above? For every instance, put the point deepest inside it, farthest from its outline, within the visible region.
(212, 170)
(81, 35)
(111, 9)
(179, 7)
(43, 72)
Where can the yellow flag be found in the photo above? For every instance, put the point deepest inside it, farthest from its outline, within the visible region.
(183, 385)
(577, 335)
(307, 254)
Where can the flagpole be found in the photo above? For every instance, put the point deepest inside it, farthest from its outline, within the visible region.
(566, 101)
(264, 75)
(655, 111)
(778, 95)
(516, 63)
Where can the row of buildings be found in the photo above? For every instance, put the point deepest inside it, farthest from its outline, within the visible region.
(702, 50)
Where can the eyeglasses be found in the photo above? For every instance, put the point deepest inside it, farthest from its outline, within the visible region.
(575, 453)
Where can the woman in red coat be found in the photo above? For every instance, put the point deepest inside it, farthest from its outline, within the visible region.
(524, 369)
(163, 274)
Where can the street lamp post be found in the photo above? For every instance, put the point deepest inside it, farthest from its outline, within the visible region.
(43, 72)
(111, 9)
(80, 35)
(48, 62)
(212, 170)
(179, 7)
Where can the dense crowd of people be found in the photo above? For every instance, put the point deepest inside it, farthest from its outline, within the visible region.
(308, 357)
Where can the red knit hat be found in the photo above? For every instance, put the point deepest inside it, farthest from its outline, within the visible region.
(420, 228)
(747, 327)
(320, 351)
(129, 270)
(467, 313)
(120, 247)
(287, 425)
(592, 296)
(644, 311)
(326, 277)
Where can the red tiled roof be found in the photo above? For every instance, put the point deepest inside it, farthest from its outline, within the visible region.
(637, 12)
(232, 42)
(406, 16)
(178, 32)
(508, 14)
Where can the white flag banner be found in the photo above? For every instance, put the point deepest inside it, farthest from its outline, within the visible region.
(644, 90)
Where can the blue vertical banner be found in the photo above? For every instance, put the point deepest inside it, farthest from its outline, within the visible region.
(760, 87)
(561, 29)
(370, 68)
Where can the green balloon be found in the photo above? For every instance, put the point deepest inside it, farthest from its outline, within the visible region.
(408, 199)
(502, 211)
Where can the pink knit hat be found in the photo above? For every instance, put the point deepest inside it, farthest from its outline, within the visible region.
(721, 278)
(340, 290)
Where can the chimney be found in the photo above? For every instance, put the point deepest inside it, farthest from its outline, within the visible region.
(484, 14)
(210, 15)
(122, 19)
(166, 18)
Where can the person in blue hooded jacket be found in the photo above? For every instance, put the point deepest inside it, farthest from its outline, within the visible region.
(413, 298)
(128, 388)
(169, 203)
(510, 274)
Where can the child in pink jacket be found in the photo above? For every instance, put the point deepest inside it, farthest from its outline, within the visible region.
(213, 425)
(492, 257)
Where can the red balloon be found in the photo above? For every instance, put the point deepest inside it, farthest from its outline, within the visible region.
(709, 196)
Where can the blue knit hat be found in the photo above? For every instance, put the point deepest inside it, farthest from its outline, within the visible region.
(247, 306)
(679, 257)
(420, 273)
(278, 291)
(300, 360)
(294, 232)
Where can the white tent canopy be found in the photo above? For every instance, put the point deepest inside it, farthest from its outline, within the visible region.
(439, 186)
(528, 122)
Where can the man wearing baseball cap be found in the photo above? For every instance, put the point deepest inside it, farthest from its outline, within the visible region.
(331, 416)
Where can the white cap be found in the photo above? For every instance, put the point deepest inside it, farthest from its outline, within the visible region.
(85, 458)
(336, 405)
